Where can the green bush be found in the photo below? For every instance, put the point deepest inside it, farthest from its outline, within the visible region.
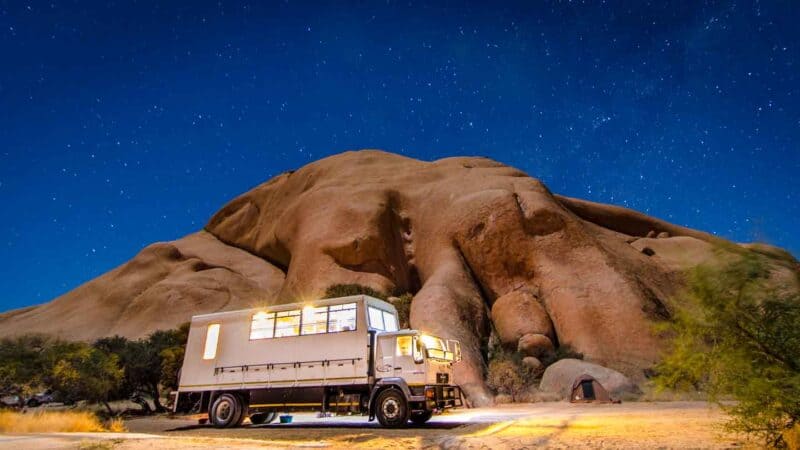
(403, 306)
(149, 364)
(737, 336)
(507, 374)
(112, 368)
(22, 365)
(85, 373)
(345, 290)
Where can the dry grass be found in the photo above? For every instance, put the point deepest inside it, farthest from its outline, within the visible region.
(792, 438)
(117, 425)
(55, 421)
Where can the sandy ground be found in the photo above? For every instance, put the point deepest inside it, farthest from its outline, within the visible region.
(541, 425)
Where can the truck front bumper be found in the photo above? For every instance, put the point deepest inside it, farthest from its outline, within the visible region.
(442, 397)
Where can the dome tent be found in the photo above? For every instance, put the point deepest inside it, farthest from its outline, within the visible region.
(587, 389)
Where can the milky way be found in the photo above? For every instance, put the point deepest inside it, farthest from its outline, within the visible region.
(127, 124)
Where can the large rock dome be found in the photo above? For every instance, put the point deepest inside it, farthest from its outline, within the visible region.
(460, 234)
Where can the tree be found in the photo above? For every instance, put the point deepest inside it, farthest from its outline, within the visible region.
(118, 346)
(21, 364)
(148, 364)
(84, 372)
(172, 357)
(738, 334)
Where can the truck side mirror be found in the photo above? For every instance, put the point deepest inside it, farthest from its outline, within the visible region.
(417, 350)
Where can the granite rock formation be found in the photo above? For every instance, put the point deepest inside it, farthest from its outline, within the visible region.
(482, 247)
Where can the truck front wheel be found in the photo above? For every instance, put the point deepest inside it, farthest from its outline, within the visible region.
(226, 411)
(391, 409)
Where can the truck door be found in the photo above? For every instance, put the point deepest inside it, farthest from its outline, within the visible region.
(384, 357)
(408, 363)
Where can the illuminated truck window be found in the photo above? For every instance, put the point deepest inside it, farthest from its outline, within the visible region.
(287, 323)
(342, 318)
(315, 320)
(263, 326)
(403, 346)
(309, 320)
(382, 320)
(212, 337)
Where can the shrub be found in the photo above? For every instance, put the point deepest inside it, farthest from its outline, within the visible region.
(507, 375)
(23, 366)
(737, 335)
(345, 290)
(792, 437)
(117, 425)
(148, 364)
(403, 306)
(87, 373)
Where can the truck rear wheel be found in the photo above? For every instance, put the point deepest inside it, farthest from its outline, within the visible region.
(391, 409)
(262, 418)
(421, 417)
(226, 411)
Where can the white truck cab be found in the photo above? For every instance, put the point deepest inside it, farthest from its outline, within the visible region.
(341, 354)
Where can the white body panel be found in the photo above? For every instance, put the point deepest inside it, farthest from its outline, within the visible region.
(337, 358)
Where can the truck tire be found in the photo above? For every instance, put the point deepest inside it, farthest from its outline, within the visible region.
(421, 417)
(226, 411)
(391, 409)
(263, 418)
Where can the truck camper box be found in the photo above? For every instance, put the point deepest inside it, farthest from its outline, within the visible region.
(338, 354)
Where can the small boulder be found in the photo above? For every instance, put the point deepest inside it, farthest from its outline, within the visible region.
(536, 345)
(560, 376)
(662, 235)
(651, 234)
(519, 313)
(532, 363)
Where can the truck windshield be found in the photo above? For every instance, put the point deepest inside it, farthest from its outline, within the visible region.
(436, 348)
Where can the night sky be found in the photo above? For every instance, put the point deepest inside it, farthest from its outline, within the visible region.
(130, 123)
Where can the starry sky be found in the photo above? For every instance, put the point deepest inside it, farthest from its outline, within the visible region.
(127, 123)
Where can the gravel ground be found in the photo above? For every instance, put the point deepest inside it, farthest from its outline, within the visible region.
(548, 425)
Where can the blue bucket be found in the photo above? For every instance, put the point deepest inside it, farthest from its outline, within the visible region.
(286, 419)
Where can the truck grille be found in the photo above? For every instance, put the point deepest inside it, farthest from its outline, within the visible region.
(442, 378)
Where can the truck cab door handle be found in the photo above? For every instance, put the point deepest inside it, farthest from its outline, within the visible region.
(398, 368)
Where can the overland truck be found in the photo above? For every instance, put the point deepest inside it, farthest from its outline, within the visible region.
(333, 355)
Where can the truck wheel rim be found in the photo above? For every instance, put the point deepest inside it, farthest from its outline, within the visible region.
(223, 411)
(391, 409)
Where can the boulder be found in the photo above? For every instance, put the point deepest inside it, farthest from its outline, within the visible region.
(519, 313)
(537, 345)
(559, 377)
(532, 363)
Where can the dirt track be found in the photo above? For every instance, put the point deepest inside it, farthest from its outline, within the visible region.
(550, 425)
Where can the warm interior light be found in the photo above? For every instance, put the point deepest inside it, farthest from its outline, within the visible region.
(212, 337)
(261, 315)
(436, 348)
(431, 341)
